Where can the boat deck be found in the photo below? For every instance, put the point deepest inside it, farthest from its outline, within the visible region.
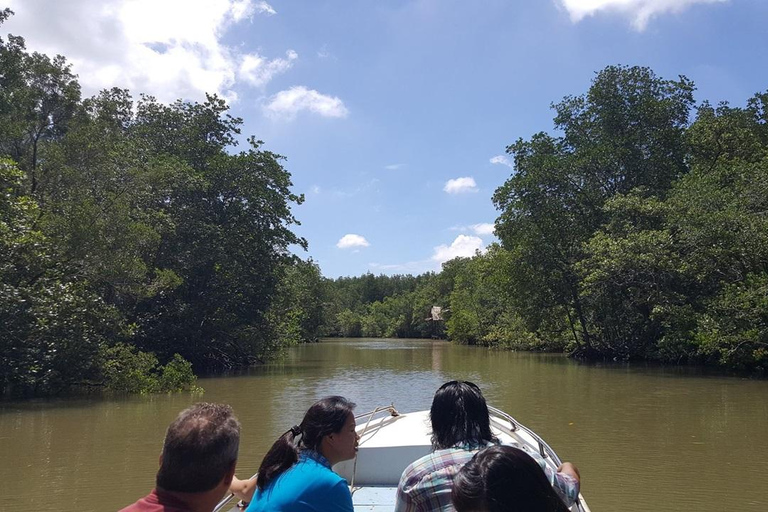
(374, 499)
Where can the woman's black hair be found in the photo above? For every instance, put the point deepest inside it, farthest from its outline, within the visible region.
(504, 479)
(459, 415)
(326, 416)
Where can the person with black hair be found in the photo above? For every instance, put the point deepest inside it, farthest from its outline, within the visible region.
(197, 463)
(461, 427)
(296, 474)
(504, 479)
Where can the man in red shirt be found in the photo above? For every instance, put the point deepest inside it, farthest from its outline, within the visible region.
(197, 462)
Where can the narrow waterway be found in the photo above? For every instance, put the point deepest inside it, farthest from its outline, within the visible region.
(645, 439)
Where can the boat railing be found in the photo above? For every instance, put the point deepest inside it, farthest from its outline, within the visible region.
(226, 499)
(545, 450)
(223, 503)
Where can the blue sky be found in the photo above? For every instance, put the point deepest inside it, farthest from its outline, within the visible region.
(394, 115)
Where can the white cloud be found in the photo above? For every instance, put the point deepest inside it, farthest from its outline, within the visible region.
(352, 240)
(501, 160)
(259, 71)
(464, 246)
(263, 8)
(323, 52)
(641, 11)
(241, 9)
(394, 167)
(460, 185)
(290, 102)
(171, 48)
(316, 189)
(483, 229)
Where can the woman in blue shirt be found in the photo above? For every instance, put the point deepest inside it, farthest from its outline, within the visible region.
(296, 475)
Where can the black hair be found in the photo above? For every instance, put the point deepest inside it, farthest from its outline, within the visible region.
(200, 447)
(459, 415)
(324, 417)
(504, 479)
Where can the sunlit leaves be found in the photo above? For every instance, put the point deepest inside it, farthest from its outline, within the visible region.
(135, 224)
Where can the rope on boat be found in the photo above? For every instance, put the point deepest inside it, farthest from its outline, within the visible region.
(392, 411)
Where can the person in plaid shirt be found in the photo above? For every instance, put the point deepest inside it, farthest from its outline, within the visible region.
(460, 428)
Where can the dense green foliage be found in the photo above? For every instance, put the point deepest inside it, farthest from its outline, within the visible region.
(381, 306)
(650, 233)
(635, 233)
(135, 244)
(474, 295)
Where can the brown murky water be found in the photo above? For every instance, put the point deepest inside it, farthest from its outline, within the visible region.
(645, 439)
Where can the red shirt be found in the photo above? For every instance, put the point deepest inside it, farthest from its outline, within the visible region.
(157, 502)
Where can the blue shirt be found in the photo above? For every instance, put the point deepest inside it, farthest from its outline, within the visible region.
(308, 486)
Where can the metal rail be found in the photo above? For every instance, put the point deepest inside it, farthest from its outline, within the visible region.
(544, 449)
(223, 503)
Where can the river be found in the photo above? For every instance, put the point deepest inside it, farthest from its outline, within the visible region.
(644, 438)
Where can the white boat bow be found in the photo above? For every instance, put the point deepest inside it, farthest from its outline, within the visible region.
(390, 441)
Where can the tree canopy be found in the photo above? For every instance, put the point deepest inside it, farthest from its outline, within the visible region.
(134, 235)
(139, 244)
(636, 232)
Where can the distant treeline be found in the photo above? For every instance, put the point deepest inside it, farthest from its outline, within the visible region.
(137, 246)
(634, 233)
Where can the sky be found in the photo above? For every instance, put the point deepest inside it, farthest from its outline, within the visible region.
(394, 115)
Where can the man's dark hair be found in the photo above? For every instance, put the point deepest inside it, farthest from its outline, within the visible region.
(459, 415)
(504, 479)
(200, 448)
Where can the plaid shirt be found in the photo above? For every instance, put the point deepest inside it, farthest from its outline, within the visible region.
(426, 484)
